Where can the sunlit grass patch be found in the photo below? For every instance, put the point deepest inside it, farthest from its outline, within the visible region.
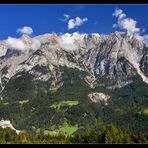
(64, 103)
(145, 111)
(69, 129)
(23, 101)
(50, 133)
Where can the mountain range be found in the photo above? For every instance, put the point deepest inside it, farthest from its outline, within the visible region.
(51, 80)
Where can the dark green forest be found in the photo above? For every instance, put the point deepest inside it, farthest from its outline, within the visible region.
(33, 107)
(106, 134)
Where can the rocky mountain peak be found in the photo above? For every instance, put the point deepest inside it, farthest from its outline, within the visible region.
(117, 57)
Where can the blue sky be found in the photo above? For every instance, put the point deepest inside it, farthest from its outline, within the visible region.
(50, 18)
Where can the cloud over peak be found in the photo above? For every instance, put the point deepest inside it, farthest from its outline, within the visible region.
(128, 24)
(25, 30)
(72, 23)
(15, 43)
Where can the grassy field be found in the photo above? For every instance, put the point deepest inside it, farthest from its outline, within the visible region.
(64, 103)
(20, 102)
(51, 133)
(145, 111)
(23, 101)
(69, 129)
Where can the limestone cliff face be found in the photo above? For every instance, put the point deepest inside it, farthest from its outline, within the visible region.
(109, 60)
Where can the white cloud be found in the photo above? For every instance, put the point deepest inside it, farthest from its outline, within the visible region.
(124, 22)
(68, 41)
(25, 30)
(66, 17)
(3, 51)
(72, 23)
(115, 25)
(14, 43)
(35, 44)
(119, 13)
(129, 25)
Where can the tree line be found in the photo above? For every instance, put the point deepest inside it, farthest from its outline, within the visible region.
(108, 134)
